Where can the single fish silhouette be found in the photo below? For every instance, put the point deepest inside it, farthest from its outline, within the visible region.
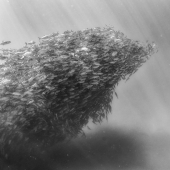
(5, 42)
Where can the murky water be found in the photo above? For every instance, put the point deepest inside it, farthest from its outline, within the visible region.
(137, 134)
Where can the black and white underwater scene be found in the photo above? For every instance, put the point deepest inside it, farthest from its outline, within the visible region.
(84, 85)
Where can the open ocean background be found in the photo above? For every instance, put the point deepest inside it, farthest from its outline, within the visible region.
(137, 133)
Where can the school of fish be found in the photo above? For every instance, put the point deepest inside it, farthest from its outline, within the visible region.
(72, 78)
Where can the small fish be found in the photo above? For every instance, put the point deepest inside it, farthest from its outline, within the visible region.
(114, 53)
(5, 42)
(44, 37)
(19, 53)
(30, 43)
(27, 54)
(82, 74)
(55, 34)
(117, 40)
(45, 41)
(3, 57)
(84, 49)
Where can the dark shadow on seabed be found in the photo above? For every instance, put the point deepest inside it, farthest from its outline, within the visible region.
(104, 150)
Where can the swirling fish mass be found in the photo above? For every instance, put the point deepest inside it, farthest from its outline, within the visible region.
(50, 90)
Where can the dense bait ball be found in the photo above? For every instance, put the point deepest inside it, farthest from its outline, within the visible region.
(50, 90)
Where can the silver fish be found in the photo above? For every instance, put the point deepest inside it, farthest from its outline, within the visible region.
(5, 42)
